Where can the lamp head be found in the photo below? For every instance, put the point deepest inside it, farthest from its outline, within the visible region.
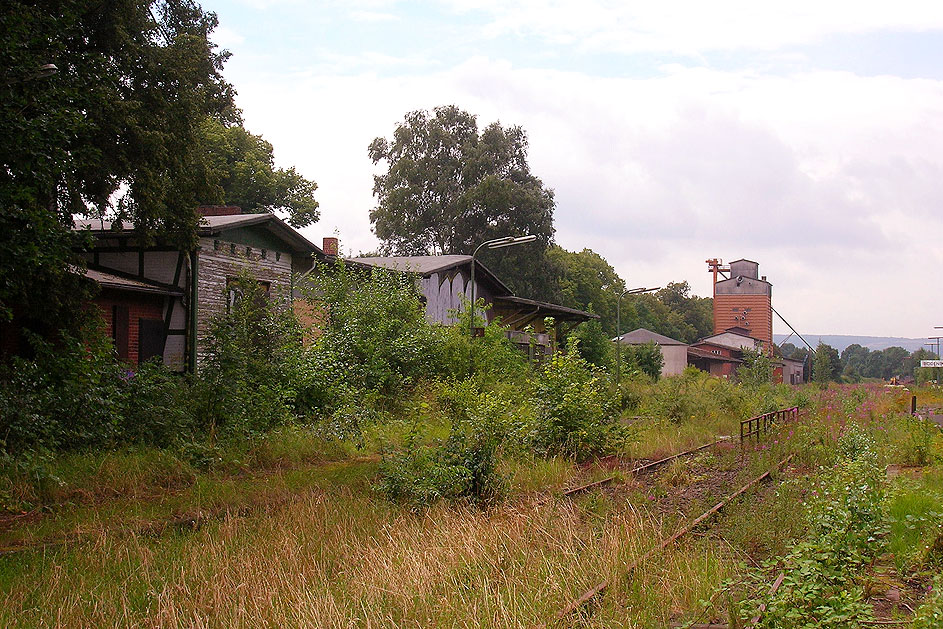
(511, 240)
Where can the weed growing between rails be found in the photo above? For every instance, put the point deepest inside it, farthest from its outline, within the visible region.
(853, 514)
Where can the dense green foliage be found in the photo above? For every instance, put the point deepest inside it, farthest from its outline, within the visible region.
(856, 362)
(646, 358)
(757, 368)
(575, 411)
(115, 129)
(241, 166)
(671, 311)
(254, 363)
(826, 366)
(448, 188)
(585, 280)
(134, 123)
(375, 338)
(846, 529)
(73, 394)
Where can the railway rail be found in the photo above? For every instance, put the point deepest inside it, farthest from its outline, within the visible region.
(642, 468)
(590, 594)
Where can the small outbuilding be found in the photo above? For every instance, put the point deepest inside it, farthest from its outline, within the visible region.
(674, 352)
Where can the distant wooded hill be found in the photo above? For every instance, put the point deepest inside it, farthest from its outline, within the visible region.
(841, 341)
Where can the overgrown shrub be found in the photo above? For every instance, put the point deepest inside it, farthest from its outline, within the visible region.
(157, 406)
(463, 467)
(73, 394)
(594, 345)
(646, 358)
(254, 361)
(930, 613)
(757, 368)
(376, 337)
(847, 530)
(489, 360)
(575, 413)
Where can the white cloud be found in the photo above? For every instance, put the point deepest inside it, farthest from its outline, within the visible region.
(829, 180)
(694, 26)
(372, 16)
(225, 37)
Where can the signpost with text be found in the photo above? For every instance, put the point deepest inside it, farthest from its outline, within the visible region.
(933, 363)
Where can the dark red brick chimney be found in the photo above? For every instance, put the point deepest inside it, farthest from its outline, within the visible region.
(219, 210)
(330, 246)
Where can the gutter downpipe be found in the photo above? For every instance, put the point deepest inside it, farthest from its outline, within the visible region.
(194, 296)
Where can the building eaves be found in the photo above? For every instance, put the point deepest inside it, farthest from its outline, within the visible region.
(700, 353)
(560, 312)
(216, 225)
(110, 279)
(213, 226)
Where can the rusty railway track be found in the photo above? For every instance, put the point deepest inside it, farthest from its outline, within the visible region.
(591, 593)
(642, 468)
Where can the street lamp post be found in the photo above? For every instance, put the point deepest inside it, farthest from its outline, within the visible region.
(497, 243)
(937, 339)
(630, 291)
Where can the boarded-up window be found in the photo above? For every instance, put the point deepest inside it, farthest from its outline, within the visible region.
(150, 339)
(120, 331)
(234, 292)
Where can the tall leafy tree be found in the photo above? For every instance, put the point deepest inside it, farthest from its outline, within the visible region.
(757, 368)
(692, 316)
(827, 365)
(113, 129)
(855, 357)
(585, 280)
(787, 350)
(449, 187)
(242, 168)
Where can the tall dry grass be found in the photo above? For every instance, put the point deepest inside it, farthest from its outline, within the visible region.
(345, 559)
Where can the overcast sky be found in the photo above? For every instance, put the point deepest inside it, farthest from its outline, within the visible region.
(807, 137)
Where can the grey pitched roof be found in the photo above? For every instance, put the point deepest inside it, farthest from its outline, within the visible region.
(709, 339)
(427, 265)
(213, 225)
(423, 265)
(642, 336)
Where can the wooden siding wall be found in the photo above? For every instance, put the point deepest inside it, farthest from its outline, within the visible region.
(219, 260)
(443, 293)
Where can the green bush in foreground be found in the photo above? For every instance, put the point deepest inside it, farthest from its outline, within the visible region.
(575, 411)
(463, 467)
(930, 613)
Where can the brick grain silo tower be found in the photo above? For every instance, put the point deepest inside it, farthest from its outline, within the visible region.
(743, 300)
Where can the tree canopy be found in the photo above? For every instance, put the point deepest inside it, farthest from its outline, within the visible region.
(113, 128)
(827, 366)
(671, 311)
(448, 188)
(242, 170)
(585, 280)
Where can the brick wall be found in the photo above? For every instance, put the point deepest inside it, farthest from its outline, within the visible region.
(220, 260)
(139, 307)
